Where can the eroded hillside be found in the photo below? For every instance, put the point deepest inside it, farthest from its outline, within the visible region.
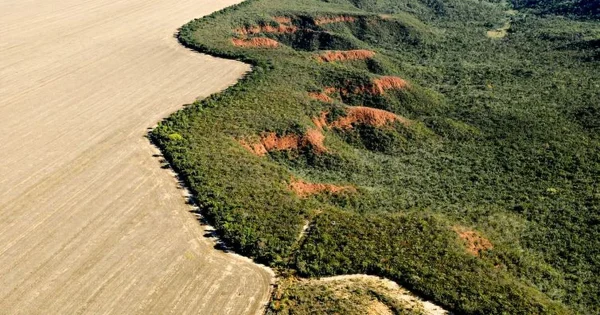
(409, 143)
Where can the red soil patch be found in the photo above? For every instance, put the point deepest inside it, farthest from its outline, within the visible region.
(315, 138)
(320, 97)
(361, 115)
(271, 142)
(256, 148)
(382, 84)
(256, 29)
(331, 56)
(377, 87)
(320, 121)
(474, 241)
(304, 189)
(255, 42)
(334, 19)
(367, 116)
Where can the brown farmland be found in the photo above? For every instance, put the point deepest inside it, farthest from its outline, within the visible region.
(89, 222)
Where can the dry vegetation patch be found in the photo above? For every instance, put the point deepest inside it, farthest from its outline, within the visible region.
(334, 19)
(255, 42)
(329, 90)
(282, 19)
(257, 29)
(389, 289)
(376, 307)
(323, 97)
(344, 55)
(396, 298)
(305, 189)
(378, 86)
(499, 32)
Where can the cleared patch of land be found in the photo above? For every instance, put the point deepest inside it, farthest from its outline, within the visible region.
(348, 294)
(89, 222)
(502, 32)
(393, 290)
(499, 32)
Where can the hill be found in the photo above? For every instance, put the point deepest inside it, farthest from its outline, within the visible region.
(450, 146)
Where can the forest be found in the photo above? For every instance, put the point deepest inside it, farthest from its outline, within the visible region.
(577, 8)
(452, 146)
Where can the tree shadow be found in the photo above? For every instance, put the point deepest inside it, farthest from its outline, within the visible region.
(210, 232)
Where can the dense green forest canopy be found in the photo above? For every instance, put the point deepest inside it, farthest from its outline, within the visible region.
(452, 146)
(580, 8)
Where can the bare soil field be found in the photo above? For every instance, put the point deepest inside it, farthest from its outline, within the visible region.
(89, 222)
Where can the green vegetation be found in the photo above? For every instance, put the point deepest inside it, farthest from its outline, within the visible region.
(579, 8)
(503, 139)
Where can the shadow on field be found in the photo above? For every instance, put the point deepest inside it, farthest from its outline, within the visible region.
(210, 232)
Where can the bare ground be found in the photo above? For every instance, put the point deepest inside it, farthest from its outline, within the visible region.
(393, 290)
(89, 222)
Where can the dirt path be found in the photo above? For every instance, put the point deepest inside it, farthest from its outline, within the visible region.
(89, 222)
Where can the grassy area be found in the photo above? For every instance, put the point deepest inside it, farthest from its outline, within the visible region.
(464, 168)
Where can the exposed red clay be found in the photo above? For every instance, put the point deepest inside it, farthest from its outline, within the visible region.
(377, 87)
(382, 84)
(361, 115)
(320, 97)
(315, 138)
(255, 42)
(272, 142)
(334, 19)
(474, 241)
(368, 116)
(256, 148)
(331, 56)
(304, 189)
(320, 121)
